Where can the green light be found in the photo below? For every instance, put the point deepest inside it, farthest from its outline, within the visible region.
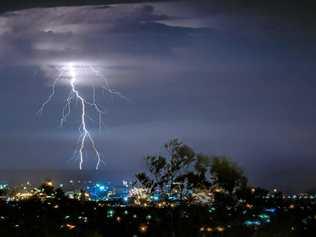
(264, 216)
(110, 213)
(211, 210)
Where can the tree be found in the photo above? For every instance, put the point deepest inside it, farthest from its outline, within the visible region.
(168, 174)
(59, 194)
(227, 175)
(184, 171)
(47, 187)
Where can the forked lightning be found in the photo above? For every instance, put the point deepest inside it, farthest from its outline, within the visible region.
(69, 73)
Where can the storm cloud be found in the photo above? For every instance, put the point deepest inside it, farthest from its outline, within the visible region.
(226, 79)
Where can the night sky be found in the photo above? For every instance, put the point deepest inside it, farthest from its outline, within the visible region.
(229, 79)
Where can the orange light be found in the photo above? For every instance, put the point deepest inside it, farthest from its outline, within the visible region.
(143, 228)
(49, 183)
(220, 229)
(70, 227)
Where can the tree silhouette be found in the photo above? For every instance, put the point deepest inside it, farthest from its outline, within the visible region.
(227, 175)
(47, 187)
(184, 171)
(168, 174)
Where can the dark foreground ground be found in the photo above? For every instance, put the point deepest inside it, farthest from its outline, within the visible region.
(71, 218)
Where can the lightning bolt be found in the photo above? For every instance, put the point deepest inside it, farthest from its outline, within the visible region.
(50, 97)
(85, 135)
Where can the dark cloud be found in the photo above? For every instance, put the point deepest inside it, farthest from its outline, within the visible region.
(16, 5)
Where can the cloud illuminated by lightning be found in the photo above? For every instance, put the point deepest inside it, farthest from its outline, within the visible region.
(69, 72)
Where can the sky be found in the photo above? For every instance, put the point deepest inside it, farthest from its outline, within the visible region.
(227, 79)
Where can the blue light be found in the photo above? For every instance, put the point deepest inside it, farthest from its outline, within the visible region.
(252, 223)
(3, 185)
(99, 191)
(248, 223)
(172, 198)
(155, 197)
(271, 210)
(257, 223)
